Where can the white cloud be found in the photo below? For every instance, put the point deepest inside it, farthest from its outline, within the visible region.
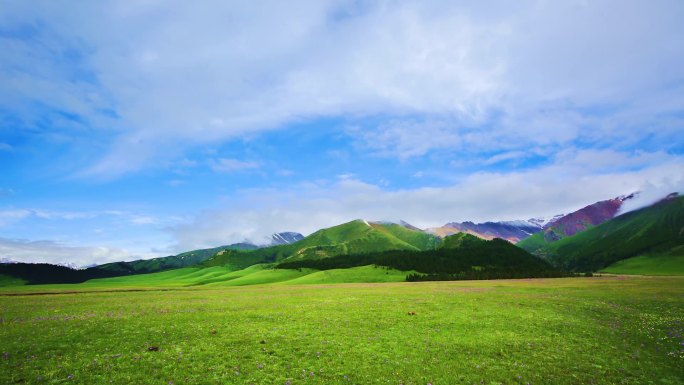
(144, 220)
(652, 192)
(506, 156)
(8, 216)
(179, 74)
(82, 237)
(231, 165)
(54, 252)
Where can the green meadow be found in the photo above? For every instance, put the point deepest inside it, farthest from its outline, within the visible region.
(670, 263)
(601, 330)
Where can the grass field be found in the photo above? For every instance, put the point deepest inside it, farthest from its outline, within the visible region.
(607, 330)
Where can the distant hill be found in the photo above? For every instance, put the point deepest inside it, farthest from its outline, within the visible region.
(512, 231)
(575, 222)
(358, 236)
(647, 240)
(460, 256)
(45, 273)
(189, 258)
(398, 247)
(654, 230)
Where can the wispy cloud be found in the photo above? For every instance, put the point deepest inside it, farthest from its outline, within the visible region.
(10, 216)
(409, 138)
(228, 165)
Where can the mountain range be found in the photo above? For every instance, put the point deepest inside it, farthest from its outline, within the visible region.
(513, 231)
(654, 230)
(589, 239)
(193, 257)
(553, 228)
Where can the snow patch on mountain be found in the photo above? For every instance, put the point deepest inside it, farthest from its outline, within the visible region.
(285, 238)
(542, 222)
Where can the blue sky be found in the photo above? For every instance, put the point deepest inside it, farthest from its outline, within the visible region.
(136, 129)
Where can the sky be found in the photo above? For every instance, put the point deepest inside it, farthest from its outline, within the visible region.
(138, 129)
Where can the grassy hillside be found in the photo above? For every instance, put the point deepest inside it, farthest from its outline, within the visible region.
(653, 230)
(463, 240)
(535, 244)
(669, 263)
(461, 256)
(416, 238)
(178, 277)
(349, 238)
(218, 276)
(573, 223)
(253, 275)
(7, 280)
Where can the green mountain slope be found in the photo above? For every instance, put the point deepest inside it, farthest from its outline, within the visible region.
(653, 230)
(260, 274)
(573, 223)
(189, 258)
(463, 240)
(461, 256)
(7, 280)
(348, 238)
(535, 244)
(412, 236)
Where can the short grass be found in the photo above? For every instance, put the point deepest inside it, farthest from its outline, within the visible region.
(602, 330)
(669, 264)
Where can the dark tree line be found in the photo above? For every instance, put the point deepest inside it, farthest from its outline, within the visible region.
(44, 273)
